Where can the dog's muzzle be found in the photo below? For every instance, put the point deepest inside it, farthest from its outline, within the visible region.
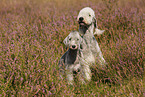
(81, 22)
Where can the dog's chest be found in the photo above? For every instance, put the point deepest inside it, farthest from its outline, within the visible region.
(90, 45)
(75, 66)
(73, 61)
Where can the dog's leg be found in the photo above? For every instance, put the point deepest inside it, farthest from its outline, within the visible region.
(99, 54)
(81, 79)
(86, 72)
(69, 75)
(101, 60)
(81, 76)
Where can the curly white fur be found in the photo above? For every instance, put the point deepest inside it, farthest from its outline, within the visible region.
(87, 24)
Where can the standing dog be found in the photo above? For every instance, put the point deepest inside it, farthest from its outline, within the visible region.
(87, 24)
(73, 59)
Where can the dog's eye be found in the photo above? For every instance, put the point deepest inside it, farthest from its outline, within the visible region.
(89, 15)
(77, 39)
(69, 38)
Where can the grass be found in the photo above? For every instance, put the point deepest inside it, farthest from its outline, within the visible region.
(31, 35)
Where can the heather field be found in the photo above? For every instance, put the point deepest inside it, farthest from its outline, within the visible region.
(31, 44)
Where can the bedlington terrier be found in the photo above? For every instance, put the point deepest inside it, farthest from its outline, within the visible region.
(87, 24)
(73, 59)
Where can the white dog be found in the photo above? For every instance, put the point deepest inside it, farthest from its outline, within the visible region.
(87, 24)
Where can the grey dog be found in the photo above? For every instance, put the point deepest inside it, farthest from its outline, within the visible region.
(73, 59)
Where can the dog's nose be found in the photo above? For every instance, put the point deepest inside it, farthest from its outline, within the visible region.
(73, 46)
(81, 19)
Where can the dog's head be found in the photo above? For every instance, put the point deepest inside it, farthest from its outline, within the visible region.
(73, 40)
(86, 18)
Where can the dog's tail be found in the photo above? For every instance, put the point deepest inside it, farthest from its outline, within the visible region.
(98, 31)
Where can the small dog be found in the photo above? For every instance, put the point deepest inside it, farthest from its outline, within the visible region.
(73, 59)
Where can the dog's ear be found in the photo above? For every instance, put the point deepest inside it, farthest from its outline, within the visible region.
(81, 42)
(95, 22)
(97, 31)
(65, 41)
(81, 46)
